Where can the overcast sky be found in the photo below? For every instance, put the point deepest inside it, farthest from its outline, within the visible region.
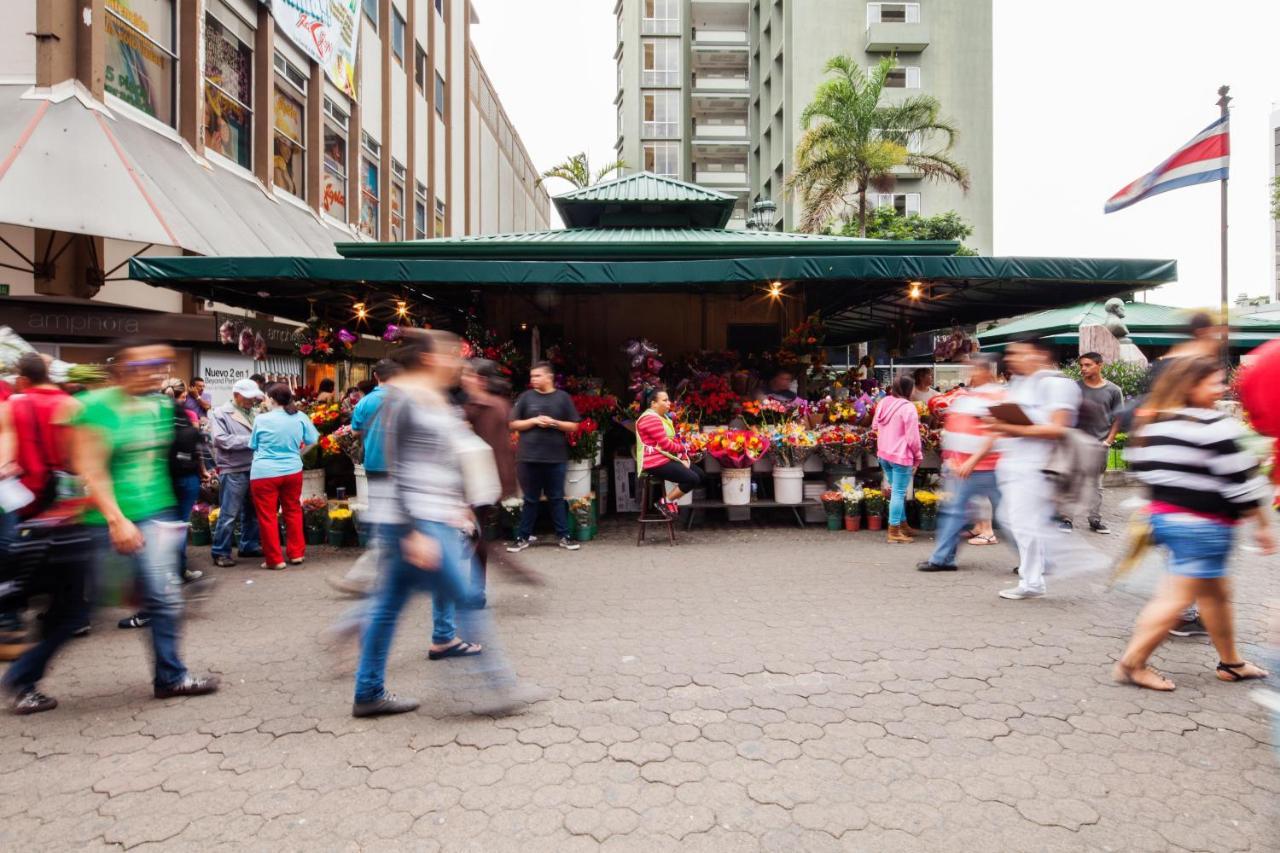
(1086, 101)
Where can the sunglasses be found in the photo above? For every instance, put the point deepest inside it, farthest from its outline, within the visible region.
(149, 362)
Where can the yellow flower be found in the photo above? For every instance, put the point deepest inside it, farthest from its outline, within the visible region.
(339, 514)
(213, 515)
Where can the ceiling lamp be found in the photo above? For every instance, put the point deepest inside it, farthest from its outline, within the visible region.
(775, 290)
(915, 290)
(361, 311)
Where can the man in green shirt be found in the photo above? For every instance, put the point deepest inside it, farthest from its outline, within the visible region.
(120, 446)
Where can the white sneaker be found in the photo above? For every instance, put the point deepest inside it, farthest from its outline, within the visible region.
(1017, 593)
(569, 545)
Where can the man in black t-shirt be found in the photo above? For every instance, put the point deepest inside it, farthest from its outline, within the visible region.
(544, 417)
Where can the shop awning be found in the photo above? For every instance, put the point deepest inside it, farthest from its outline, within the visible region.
(70, 165)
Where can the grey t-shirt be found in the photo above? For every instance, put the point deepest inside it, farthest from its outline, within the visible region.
(1099, 408)
(543, 444)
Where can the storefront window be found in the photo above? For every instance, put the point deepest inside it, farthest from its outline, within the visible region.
(397, 209)
(439, 218)
(290, 142)
(333, 179)
(228, 78)
(420, 213)
(141, 62)
(369, 197)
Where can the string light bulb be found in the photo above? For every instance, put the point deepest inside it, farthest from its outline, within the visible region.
(775, 289)
(915, 291)
(402, 308)
(361, 311)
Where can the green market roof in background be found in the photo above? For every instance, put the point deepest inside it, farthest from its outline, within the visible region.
(1148, 324)
(644, 198)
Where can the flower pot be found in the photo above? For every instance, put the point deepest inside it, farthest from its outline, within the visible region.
(337, 537)
(313, 535)
(875, 522)
(835, 522)
(584, 534)
(199, 537)
(788, 485)
(837, 474)
(577, 479)
(735, 484)
(928, 522)
(853, 523)
(313, 483)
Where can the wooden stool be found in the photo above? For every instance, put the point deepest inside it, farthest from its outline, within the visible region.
(648, 485)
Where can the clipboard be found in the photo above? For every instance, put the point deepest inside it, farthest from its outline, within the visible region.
(1010, 413)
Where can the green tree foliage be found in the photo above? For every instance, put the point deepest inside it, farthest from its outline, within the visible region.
(577, 171)
(852, 142)
(885, 223)
(1275, 197)
(1132, 378)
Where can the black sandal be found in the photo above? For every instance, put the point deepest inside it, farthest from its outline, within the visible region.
(459, 650)
(1230, 670)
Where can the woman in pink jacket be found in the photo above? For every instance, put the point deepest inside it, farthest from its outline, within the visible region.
(897, 427)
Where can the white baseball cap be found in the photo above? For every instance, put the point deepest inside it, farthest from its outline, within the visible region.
(248, 389)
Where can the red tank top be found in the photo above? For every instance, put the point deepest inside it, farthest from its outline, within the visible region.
(39, 437)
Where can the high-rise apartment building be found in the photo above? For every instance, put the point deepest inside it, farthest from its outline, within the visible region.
(1275, 224)
(711, 91)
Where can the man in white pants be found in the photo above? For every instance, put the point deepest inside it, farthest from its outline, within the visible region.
(1050, 401)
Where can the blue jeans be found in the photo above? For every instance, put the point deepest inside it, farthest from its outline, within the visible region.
(156, 568)
(536, 479)
(955, 512)
(235, 504)
(1198, 547)
(449, 582)
(898, 478)
(187, 489)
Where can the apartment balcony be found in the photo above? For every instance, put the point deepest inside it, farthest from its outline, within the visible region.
(730, 84)
(721, 103)
(721, 142)
(897, 37)
(727, 180)
(712, 39)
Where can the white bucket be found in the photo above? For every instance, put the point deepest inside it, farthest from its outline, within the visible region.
(577, 479)
(735, 483)
(788, 485)
(685, 500)
(362, 486)
(313, 483)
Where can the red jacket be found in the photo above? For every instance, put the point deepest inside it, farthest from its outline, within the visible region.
(657, 446)
(39, 437)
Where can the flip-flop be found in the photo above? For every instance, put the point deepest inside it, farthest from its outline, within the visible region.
(460, 650)
(984, 540)
(1228, 672)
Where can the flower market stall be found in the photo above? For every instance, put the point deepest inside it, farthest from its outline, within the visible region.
(645, 285)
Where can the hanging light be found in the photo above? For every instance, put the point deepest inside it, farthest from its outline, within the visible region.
(524, 327)
(361, 311)
(915, 290)
(775, 290)
(402, 308)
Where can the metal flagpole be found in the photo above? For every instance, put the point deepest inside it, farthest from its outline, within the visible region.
(1223, 100)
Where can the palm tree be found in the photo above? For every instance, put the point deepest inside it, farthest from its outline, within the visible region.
(577, 171)
(852, 142)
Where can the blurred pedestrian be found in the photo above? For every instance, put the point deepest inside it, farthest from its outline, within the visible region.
(1202, 483)
(897, 426)
(1101, 402)
(231, 427)
(488, 410)
(544, 416)
(429, 551)
(120, 445)
(1048, 402)
(969, 463)
(279, 439)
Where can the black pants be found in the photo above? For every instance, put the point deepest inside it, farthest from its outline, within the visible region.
(65, 575)
(687, 478)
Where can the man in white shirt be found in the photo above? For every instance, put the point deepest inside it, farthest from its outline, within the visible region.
(1050, 401)
(924, 392)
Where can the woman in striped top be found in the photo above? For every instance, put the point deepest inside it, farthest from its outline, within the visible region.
(1202, 484)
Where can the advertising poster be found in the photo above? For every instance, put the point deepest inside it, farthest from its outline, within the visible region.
(139, 57)
(327, 31)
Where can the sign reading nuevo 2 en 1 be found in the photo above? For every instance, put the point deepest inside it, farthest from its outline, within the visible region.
(327, 31)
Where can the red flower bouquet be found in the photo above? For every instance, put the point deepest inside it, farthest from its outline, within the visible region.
(737, 448)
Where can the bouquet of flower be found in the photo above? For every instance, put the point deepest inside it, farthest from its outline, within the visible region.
(874, 499)
(791, 445)
(315, 512)
(581, 509)
(340, 518)
(930, 439)
(350, 443)
(839, 445)
(584, 442)
(853, 497)
(928, 503)
(806, 337)
(833, 503)
(711, 401)
(644, 363)
(320, 342)
(599, 407)
(870, 440)
(326, 417)
(213, 516)
(511, 510)
(199, 519)
(695, 443)
(737, 448)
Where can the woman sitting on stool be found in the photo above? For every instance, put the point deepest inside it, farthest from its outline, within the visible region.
(661, 455)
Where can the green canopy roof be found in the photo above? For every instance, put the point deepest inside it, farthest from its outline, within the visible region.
(645, 199)
(1148, 324)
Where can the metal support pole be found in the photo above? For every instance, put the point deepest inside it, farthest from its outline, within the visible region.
(1223, 100)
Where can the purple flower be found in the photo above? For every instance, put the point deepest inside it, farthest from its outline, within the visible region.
(346, 337)
(392, 333)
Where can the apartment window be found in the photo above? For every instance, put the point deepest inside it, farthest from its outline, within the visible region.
(439, 94)
(620, 119)
(661, 62)
(902, 77)
(333, 178)
(661, 18)
(439, 218)
(662, 158)
(397, 35)
(903, 204)
(420, 212)
(440, 8)
(371, 12)
(228, 84)
(370, 195)
(621, 58)
(397, 201)
(289, 145)
(893, 13)
(141, 62)
(661, 114)
(420, 68)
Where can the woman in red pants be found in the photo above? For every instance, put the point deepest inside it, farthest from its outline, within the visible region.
(279, 439)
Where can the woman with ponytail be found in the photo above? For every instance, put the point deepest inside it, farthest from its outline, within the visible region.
(279, 439)
(1202, 484)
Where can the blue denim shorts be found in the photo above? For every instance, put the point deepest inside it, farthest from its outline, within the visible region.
(1198, 547)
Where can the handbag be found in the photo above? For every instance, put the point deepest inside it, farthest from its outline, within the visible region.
(480, 481)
